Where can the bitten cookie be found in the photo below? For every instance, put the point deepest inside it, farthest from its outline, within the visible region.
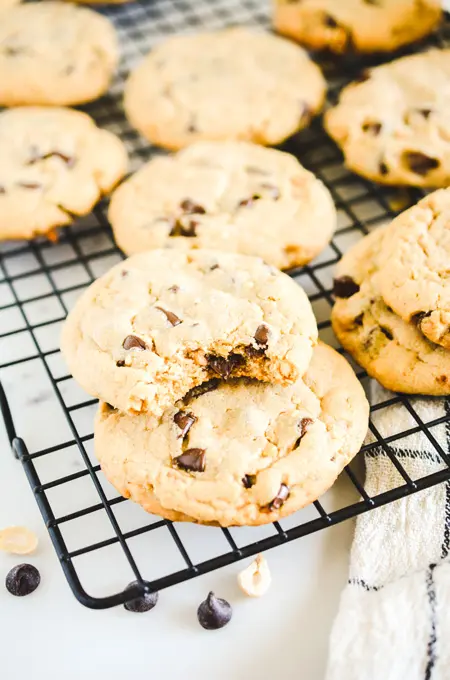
(231, 196)
(356, 25)
(391, 350)
(55, 53)
(161, 323)
(394, 127)
(414, 270)
(243, 453)
(227, 85)
(55, 164)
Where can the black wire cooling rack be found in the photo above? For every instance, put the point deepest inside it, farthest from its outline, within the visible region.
(92, 529)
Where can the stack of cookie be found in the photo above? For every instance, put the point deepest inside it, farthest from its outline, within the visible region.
(392, 290)
(218, 405)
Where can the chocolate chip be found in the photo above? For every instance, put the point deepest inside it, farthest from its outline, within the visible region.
(170, 316)
(224, 366)
(303, 428)
(248, 202)
(330, 21)
(262, 334)
(358, 320)
(192, 126)
(133, 342)
(22, 580)
(181, 229)
(273, 191)
(248, 481)
(188, 206)
(443, 379)
(143, 603)
(344, 287)
(192, 460)
(120, 363)
(174, 288)
(419, 162)
(383, 168)
(386, 332)
(213, 267)
(68, 160)
(197, 391)
(372, 128)
(2, 190)
(29, 185)
(424, 112)
(418, 318)
(124, 273)
(184, 421)
(214, 612)
(280, 498)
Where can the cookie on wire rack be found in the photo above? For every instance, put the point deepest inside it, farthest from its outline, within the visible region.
(231, 196)
(394, 127)
(242, 453)
(233, 84)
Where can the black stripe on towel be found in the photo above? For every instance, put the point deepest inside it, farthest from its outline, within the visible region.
(446, 540)
(364, 585)
(431, 647)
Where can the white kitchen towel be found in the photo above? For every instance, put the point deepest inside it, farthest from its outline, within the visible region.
(393, 621)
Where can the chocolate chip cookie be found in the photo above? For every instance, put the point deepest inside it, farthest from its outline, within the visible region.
(415, 268)
(356, 25)
(233, 84)
(163, 322)
(242, 453)
(391, 350)
(394, 126)
(55, 53)
(55, 164)
(231, 196)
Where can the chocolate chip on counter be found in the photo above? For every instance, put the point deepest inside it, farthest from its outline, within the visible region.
(120, 363)
(197, 391)
(214, 612)
(22, 580)
(248, 481)
(344, 287)
(280, 498)
(170, 316)
(272, 190)
(383, 168)
(419, 162)
(192, 460)
(68, 160)
(262, 334)
(141, 604)
(224, 366)
(303, 428)
(372, 128)
(188, 206)
(184, 421)
(133, 342)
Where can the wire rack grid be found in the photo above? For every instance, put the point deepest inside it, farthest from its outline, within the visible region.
(92, 529)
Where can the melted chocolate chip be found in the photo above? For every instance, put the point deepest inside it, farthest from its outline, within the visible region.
(373, 129)
(133, 342)
(181, 229)
(68, 160)
(330, 21)
(120, 363)
(358, 320)
(419, 162)
(213, 267)
(197, 391)
(262, 334)
(192, 460)
(418, 318)
(224, 366)
(386, 332)
(344, 287)
(255, 352)
(383, 168)
(184, 421)
(188, 206)
(29, 185)
(280, 498)
(303, 428)
(248, 481)
(170, 316)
